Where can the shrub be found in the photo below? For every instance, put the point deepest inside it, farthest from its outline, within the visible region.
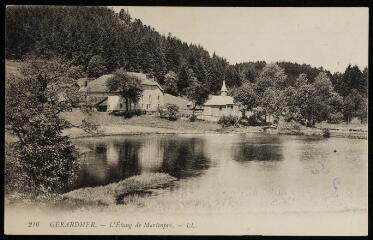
(139, 112)
(129, 113)
(254, 120)
(88, 126)
(290, 127)
(335, 118)
(326, 132)
(193, 118)
(244, 122)
(172, 110)
(227, 121)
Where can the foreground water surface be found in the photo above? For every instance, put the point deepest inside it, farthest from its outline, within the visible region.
(235, 172)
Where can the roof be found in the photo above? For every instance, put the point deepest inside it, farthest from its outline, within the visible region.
(102, 102)
(219, 100)
(99, 84)
(178, 101)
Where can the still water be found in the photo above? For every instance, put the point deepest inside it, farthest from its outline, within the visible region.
(236, 172)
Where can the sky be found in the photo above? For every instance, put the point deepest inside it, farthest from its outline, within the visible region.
(327, 37)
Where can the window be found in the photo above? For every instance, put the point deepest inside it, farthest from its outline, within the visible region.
(232, 107)
(85, 83)
(120, 105)
(158, 98)
(220, 108)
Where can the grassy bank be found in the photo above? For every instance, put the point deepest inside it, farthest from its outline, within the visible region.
(112, 193)
(115, 125)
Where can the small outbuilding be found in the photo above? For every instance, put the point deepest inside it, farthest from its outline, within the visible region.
(220, 105)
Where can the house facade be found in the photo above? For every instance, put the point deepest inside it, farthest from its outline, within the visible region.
(151, 100)
(219, 105)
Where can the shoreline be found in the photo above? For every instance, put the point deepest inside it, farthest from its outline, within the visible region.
(127, 130)
(109, 125)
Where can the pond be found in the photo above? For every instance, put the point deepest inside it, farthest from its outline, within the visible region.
(236, 172)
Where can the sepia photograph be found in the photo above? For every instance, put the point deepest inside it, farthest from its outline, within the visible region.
(171, 120)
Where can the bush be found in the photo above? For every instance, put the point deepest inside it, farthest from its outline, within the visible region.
(335, 118)
(227, 121)
(35, 173)
(326, 132)
(172, 110)
(89, 126)
(254, 120)
(129, 113)
(290, 127)
(139, 112)
(244, 122)
(192, 118)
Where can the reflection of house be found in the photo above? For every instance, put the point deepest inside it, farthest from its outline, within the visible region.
(96, 90)
(220, 105)
(112, 154)
(151, 155)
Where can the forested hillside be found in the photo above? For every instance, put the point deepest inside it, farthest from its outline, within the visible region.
(84, 34)
(99, 41)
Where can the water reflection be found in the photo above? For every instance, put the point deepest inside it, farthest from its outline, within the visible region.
(109, 162)
(234, 172)
(263, 148)
(184, 157)
(114, 159)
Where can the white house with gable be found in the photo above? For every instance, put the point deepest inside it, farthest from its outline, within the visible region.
(151, 100)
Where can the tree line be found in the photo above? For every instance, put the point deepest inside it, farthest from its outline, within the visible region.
(97, 40)
(305, 100)
(100, 41)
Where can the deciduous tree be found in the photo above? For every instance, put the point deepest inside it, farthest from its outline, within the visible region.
(246, 97)
(46, 159)
(128, 86)
(197, 93)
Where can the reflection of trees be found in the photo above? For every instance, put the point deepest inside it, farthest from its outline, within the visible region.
(128, 160)
(100, 169)
(114, 160)
(258, 152)
(184, 157)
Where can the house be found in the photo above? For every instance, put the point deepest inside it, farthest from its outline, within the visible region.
(219, 105)
(96, 90)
